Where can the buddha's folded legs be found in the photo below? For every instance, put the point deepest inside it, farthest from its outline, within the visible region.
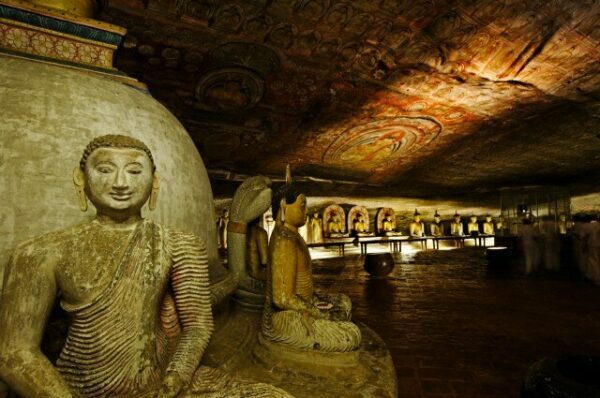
(214, 383)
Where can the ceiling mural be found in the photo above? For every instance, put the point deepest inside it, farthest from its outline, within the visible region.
(391, 94)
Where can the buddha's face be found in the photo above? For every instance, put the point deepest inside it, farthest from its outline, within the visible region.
(473, 220)
(456, 218)
(295, 213)
(488, 219)
(563, 217)
(118, 180)
(417, 218)
(316, 216)
(437, 219)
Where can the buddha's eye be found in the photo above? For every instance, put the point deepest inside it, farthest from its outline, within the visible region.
(134, 171)
(104, 169)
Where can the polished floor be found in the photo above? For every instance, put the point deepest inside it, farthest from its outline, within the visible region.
(457, 330)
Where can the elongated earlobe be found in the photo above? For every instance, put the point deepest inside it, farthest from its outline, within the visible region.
(154, 193)
(282, 210)
(79, 182)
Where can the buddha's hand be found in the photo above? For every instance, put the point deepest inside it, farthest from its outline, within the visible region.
(171, 387)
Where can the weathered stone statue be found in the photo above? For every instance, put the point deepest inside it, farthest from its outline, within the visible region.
(137, 294)
(257, 248)
(488, 225)
(456, 226)
(222, 227)
(295, 315)
(417, 227)
(316, 228)
(473, 226)
(436, 225)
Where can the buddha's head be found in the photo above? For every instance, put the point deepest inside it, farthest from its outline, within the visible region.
(225, 213)
(289, 205)
(473, 219)
(417, 216)
(563, 217)
(456, 217)
(118, 175)
(316, 216)
(436, 217)
(488, 218)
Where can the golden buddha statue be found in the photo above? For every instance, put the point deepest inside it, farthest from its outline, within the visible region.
(488, 226)
(137, 294)
(473, 226)
(388, 227)
(295, 314)
(360, 227)
(257, 249)
(316, 228)
(563, 224)
(456, 226)
(436, 225)
(417, 227)
(336, 226)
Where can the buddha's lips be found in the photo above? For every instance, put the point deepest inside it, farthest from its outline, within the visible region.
(121, 196)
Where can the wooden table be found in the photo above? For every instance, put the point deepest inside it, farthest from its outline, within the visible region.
(340, 244)
(460, 240)
(395, 242)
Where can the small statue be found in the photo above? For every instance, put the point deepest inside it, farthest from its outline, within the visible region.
(473, 226)
(257, 248)
(436, 225)
(295, 315)
(417, 227)
(222, 228)
(137, 294)
(316, 228)
(564, 226)
(389, 229)
(488, 226)
(456, 226)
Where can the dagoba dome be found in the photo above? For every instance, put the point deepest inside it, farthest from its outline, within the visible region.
(50, 114)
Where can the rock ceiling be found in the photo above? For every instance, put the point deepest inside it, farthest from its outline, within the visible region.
(413, 97)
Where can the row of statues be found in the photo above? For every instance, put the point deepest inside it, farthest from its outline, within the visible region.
(385, 225)
(137, 293)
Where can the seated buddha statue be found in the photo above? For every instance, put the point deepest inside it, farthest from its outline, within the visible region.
(335, 226)
(388, 227)
(137, 294)
(436, 225)
(360, 228)
(295, 315)
(257, 247)
(456, 226)
(488, 226)
(417, 227)
(473, 226)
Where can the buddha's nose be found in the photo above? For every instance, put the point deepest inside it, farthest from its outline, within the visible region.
(121, 181)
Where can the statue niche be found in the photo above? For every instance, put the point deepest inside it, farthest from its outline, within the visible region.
(131, 287)
(295, 315)
(334, 222)
(385, 223)
(358, 222)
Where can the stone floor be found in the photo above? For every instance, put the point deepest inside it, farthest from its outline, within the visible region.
(456, 330)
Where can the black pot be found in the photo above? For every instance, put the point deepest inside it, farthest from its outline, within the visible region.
(566, 377)
(497, 256)
(379, 265)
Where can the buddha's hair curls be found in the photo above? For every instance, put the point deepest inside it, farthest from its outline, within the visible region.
(115, 141)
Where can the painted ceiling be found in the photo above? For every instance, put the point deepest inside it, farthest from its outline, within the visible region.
(415, 97)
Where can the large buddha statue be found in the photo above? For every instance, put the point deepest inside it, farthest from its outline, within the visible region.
(295, 314)
(417, 227)
(456, 226)
(473, 226)
(488, 226)
(137, 294)
(436, 225)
